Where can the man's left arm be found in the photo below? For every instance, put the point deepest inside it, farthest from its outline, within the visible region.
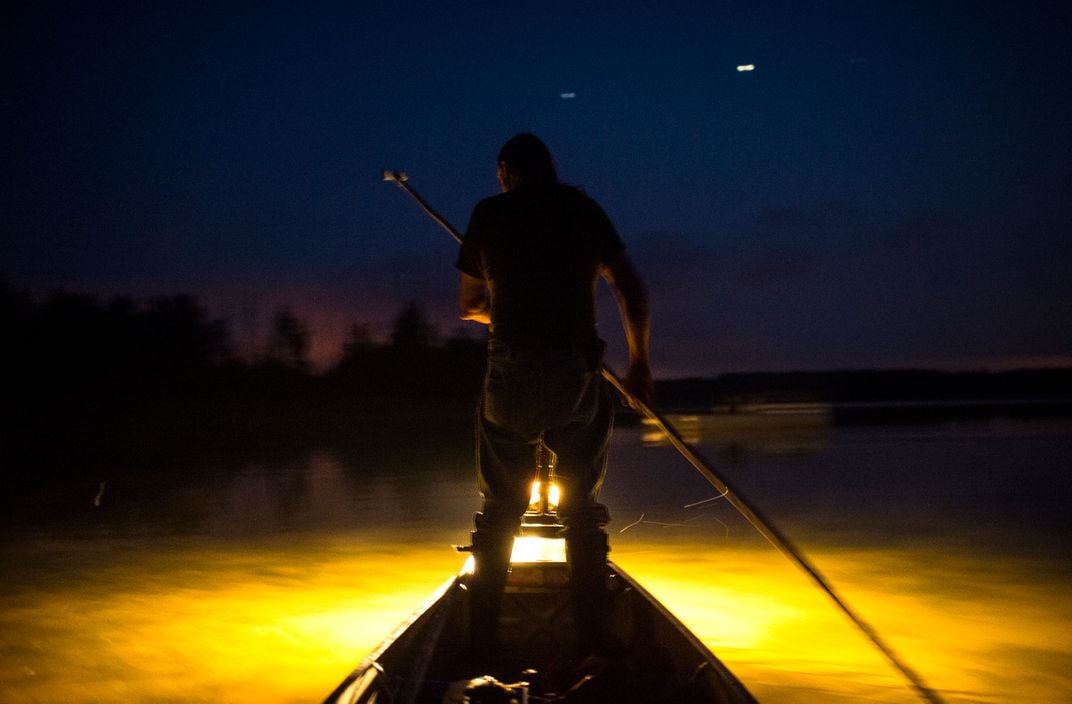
(632, 297)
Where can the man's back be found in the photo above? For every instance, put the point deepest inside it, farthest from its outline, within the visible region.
(529, 265)
(540, 250)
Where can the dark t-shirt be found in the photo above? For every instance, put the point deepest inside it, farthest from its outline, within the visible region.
(540, 248)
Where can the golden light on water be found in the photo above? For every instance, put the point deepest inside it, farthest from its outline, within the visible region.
(977, 629)
(226, 624)
(284, 622)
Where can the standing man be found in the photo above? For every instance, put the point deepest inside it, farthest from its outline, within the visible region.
(530, 262)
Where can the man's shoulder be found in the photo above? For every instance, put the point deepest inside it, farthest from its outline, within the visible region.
(573, 193)
(490, 203)
(566, 199)
(581, 202)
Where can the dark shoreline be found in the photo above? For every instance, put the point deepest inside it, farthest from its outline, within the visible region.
(876, 387)
(282, 409)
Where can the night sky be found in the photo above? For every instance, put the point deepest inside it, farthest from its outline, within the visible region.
(888, 188)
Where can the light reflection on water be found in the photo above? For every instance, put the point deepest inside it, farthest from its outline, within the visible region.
(981, 631)
(268, 584)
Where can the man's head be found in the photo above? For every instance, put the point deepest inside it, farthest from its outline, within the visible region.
(525, 161)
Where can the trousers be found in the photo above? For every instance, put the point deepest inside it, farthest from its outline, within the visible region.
(558, 397)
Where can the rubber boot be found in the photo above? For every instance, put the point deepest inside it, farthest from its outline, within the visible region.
(587, 558)
(491, 557)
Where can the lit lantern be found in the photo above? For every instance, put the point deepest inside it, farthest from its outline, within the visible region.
(544, 497)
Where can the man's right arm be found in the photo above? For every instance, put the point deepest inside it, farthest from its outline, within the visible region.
(473, 299)
(632, 297)
(472, 289)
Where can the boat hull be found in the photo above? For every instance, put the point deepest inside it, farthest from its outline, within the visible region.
(660, 660)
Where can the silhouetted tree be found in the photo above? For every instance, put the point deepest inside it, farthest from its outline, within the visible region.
(411, 328)
(358, 364)
(180, 335)
(358, 342)
(288, 343)
(70, 348)
(16, 314)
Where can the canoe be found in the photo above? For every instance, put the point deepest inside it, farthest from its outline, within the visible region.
(661, 661)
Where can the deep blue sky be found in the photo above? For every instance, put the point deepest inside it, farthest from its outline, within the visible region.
(889, 187)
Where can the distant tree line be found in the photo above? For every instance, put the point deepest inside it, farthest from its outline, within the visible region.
(77, 367)
(869, 388)
(124, 365)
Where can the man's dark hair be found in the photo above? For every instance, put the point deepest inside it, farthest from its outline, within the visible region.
(527, 161)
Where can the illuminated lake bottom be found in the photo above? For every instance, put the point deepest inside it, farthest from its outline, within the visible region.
(248, 610)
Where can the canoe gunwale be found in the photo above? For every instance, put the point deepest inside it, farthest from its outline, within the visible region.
(374, 681)
(735, 688)
(439, 604)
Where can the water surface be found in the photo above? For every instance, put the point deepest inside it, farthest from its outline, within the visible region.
(244, 579)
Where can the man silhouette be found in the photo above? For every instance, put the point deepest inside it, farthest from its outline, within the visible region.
(530, 262)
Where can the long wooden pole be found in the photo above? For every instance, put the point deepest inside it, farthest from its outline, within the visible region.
(401, 180)
(778, 539)
(752, 514)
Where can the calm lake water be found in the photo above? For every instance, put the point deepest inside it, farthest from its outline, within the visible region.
(266, 579)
